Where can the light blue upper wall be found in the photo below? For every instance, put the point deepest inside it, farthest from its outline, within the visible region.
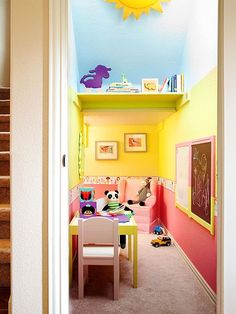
(149, 47)
(73, 72)
(181, 40)
(200, 47)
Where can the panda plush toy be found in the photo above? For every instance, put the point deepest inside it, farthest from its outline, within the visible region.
(112, 204)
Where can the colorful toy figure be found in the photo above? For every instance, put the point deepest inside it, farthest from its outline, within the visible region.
(95, 80)
(86, 194)
(161, 241)
(112, 204)
(88, 208)
(143, 193)
(158, 230)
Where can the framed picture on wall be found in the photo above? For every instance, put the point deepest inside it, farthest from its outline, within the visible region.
(106, 150)
(135, 142)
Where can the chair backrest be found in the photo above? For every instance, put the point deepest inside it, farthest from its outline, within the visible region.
(128, 188)
(98, 231)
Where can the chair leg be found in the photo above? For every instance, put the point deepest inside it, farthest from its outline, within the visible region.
(116, 281)
(80, 281)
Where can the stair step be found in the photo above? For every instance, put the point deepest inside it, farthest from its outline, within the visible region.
(4, 163)
(4, 93)
(5, 275)
(5, 259)
(4, 123)
(4, 106)
(5, 211)
(4, 181)
(5, 190)
(5, 293)
(5, 141)
(5, 227)
(5, 251)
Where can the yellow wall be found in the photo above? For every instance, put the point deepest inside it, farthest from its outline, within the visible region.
(128, 164)
(75, 128)
(196, 119)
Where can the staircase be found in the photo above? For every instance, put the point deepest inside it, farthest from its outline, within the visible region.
(5, 242)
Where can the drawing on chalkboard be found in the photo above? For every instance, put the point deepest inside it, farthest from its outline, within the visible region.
(202, 178)
(195, 180)
(201, 182)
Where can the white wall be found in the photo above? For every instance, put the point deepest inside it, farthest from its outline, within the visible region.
(29, 83)
(4, 42)
(229, 97)
(200, 51)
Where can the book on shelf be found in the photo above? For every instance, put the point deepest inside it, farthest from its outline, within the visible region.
(173, 84)
(164, 87)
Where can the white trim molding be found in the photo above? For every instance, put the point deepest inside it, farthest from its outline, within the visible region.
(58, 277)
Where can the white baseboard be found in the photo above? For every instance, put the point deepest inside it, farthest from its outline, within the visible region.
(206, 287)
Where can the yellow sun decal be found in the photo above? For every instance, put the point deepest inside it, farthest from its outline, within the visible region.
(137, 7)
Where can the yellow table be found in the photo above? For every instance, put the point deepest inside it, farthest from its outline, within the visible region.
(128, 228)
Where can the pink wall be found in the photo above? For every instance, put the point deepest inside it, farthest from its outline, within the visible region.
(196, 241)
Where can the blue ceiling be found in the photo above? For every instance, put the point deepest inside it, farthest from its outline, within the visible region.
(151, 47)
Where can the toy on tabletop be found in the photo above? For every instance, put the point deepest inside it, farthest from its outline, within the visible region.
(88, 209)
(143, 193)
(113, 205)
(86, 194)
(95, 80)
(161, 240)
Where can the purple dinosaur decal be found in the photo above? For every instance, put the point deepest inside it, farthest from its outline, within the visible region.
(95, 80)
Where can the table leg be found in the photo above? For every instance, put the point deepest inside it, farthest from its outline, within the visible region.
(135, 259)
(129, 247)
(70, 258)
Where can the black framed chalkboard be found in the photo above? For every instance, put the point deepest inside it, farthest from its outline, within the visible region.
(202, 180)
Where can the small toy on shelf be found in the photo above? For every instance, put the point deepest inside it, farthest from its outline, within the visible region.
(161, 240)
(122, 87)
(95, 80)
(143, 193)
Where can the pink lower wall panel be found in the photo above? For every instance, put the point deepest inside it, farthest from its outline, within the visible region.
(196, 241)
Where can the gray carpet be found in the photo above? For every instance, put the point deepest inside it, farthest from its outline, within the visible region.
(166, 286)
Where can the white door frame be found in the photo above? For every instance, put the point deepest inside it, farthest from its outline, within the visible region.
(58, 279)
(58, 206)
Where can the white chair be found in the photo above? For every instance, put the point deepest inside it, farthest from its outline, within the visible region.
(98, 245)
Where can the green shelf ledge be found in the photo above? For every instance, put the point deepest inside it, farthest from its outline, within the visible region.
(98, 101)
